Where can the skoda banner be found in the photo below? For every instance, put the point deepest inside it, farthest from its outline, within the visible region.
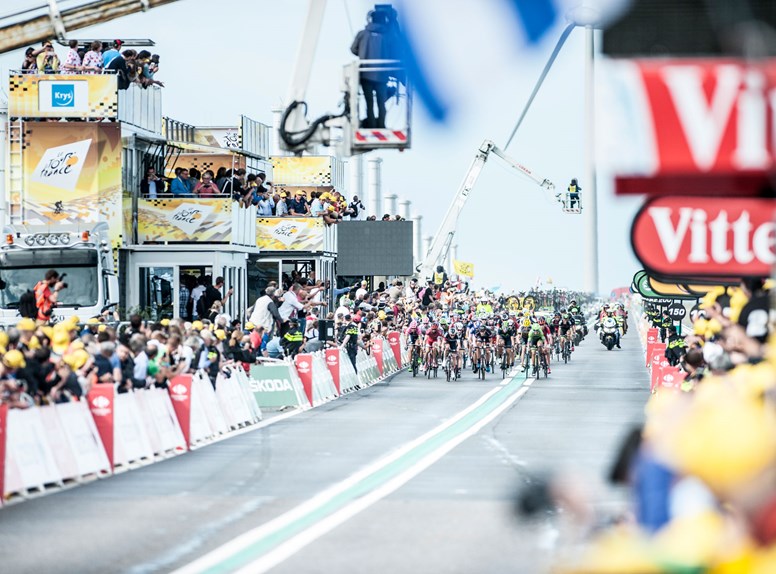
(273, 386)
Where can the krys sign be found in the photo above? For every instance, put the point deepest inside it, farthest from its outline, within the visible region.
(705, 237)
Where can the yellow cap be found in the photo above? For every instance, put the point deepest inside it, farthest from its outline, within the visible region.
(725, 438)
(3, 339)
(48, 331)
(60, 342)
(381, 315)
(34, 343)
(77, 344)
(164, 322)
(102, 328)
(197, 325)
(249, 326)
(26, 324)
(220, 334)
(74, 320)
(76, 359)
(14, 359)
(93, 321)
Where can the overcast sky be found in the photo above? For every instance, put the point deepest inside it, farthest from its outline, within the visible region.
(220, 59)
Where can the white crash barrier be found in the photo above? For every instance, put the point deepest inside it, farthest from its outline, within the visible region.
(236, 409)
(206, 394)
(244, 386)
(323, 382)
(130, 435)
(82, 441)
(162, 426)
(366, 367)
(29, 461)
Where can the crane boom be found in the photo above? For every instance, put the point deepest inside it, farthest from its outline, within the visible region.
(54, 22)
(440, 245)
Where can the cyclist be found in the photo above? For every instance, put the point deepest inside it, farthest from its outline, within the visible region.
(525, 327)
(432, 348)
(482, 338)
(536, 341)
(566, 326)
(506, 332)
(574, 308)
(548, 341)
(453, 343)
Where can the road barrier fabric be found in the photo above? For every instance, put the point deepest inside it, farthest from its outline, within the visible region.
(49, 447)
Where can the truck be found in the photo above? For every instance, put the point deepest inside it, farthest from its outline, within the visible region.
(81, 254)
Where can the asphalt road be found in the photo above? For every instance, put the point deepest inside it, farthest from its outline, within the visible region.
(408, 476)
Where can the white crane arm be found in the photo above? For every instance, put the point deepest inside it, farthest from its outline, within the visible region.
(440, 244)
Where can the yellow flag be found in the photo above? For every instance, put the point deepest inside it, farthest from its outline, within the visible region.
(463, 268)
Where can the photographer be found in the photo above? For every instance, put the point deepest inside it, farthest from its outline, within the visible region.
(152, 184)
(354, 208)
(46, 293)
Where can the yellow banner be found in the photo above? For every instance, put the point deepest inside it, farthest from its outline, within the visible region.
(463, 268)
(185, 219)
(307, 170)
(289, 233)
(72, 174)
(63, 96)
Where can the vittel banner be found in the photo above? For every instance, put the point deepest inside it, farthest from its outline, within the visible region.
(691, 117)
(706, 237)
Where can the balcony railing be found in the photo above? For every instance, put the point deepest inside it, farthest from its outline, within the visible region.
(141, 107)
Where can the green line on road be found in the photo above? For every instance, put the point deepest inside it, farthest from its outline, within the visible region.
(366, 485)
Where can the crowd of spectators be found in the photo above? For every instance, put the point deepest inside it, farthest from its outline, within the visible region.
(130, 66)
(701, 470)
(254, 189)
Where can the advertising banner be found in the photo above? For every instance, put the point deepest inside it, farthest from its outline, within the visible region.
(304, 368)
(63, 96)
(224, 137)
(72, 174)
(180, 393)
(273, 386)
(289, 233)
(185, 219)
(659, 368)
(307, 170)
(705, 236)
(658, 352)
(670, 122)
(671, 378)
(377, 353)
(333, 364)
(101, 403)
(394, 340)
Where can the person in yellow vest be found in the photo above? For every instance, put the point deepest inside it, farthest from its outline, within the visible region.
(440, 277)
(573, 192)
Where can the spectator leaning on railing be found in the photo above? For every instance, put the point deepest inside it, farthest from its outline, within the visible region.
(93, 61)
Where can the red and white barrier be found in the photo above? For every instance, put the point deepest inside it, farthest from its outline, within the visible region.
(316, 379)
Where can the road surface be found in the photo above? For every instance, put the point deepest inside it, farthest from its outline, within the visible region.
(410, 475)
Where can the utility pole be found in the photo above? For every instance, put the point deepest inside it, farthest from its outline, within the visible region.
(590, 200)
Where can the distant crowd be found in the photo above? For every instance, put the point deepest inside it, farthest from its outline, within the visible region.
(254, 189)
(130, 66)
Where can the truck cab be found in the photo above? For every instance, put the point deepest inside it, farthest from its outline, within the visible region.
(82, 254)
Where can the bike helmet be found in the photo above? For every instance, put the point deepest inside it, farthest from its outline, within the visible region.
(425, 320)
(542, 320)
(413, 324)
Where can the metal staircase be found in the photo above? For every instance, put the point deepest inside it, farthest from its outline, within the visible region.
(15, 180)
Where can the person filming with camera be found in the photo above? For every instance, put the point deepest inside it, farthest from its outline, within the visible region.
(46, 293)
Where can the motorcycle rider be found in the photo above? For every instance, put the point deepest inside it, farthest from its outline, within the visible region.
(609, 321)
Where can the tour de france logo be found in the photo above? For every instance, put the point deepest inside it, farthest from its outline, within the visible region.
(188, 217)
(61, 166)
